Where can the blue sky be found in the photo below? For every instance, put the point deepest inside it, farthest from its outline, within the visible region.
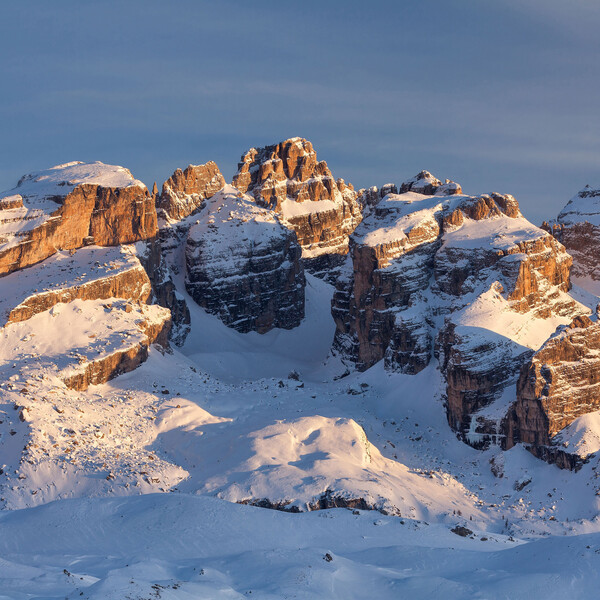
(499, 96)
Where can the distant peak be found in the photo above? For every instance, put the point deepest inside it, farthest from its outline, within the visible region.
(426, 183)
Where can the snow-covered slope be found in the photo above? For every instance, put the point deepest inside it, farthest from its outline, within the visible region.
(124, 464)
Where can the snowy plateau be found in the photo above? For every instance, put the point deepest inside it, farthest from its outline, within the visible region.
(289, 388)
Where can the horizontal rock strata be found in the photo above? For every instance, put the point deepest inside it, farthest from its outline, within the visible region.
(244, 266)
(70, 206)
(288, 179)
(91, 273)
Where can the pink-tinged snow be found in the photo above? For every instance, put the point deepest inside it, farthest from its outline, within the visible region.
(497, 233)
(62, 179)
(397, 214)
(68, 335)
(64, 270)
(582, 436)
(293, 208)
(490, 311)
(583, 207)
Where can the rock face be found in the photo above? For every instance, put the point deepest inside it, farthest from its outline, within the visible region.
(183, 194)
(558, 384)
(288, 179)
(152, 255)
(152, 323)
(185, 191)
(69, 206)
(244, 266)
(91, 273)
(464, 278)
(578, 229)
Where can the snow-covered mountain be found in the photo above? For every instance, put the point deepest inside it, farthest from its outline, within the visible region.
(405, 387)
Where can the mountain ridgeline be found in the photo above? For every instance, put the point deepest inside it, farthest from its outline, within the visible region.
(421, 274)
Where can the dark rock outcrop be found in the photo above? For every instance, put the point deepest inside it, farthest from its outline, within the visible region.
(244, 266)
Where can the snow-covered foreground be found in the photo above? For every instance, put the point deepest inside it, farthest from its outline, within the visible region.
(181, 546)
(219, 423)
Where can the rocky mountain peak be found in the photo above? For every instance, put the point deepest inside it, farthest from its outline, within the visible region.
(427, 184)
(185, 191)
(578, 228)
(71, 205)
(289, 179)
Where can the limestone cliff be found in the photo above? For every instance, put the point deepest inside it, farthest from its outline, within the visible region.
(69, 206)
(244, 266)
(185, 191)
(288, 179)
(464, 278)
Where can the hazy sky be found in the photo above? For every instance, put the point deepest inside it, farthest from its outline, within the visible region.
(499, 95)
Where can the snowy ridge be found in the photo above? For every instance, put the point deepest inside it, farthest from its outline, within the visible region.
(58, 181)
(69, 275)
(583, 207)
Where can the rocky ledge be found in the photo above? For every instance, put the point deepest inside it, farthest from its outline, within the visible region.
(559, 383)
(91, 273)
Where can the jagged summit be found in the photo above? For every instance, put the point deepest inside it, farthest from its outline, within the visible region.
(452, 319)
(425, 183)
(185, 191)
(289, 179)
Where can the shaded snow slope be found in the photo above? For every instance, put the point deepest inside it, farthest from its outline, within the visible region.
(183, 547)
